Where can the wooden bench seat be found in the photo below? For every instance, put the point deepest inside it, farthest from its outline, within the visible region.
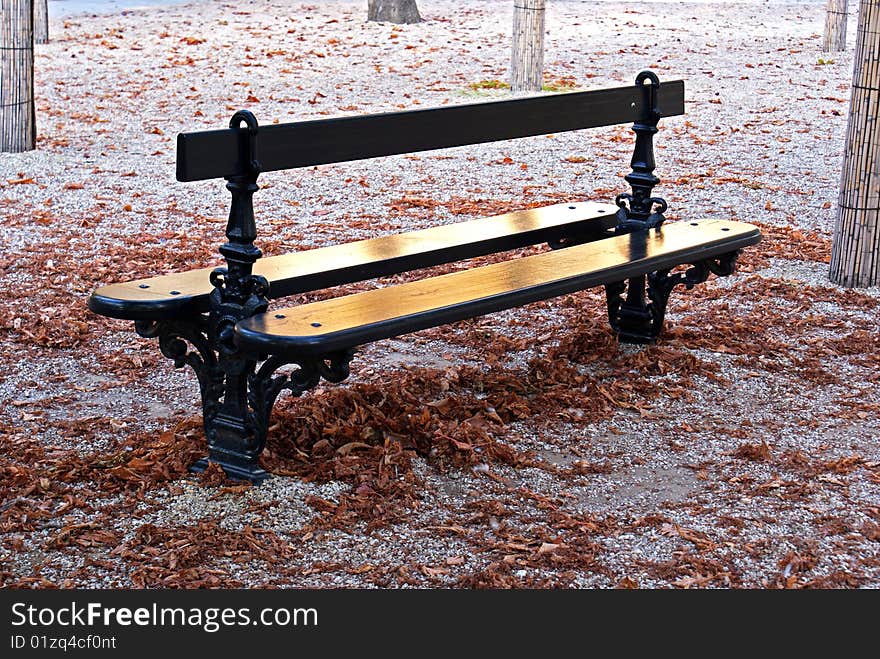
(353, 320)
(187, 293)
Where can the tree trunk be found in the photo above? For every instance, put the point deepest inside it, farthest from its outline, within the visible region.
(41, 21)
(834, 39)
(527, 57)
(18, 128)
(393, 11)
(855, 252)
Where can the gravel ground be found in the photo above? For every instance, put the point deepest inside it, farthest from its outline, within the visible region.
(739, 452)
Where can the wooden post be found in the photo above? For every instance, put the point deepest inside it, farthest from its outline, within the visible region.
(834, 39)
(855, 252)
(41, 22)
(393, 11)
(527, 57)
(18, 128)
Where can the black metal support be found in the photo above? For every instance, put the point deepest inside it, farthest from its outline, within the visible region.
(639, 318)
(173, 337)
(238, 294)
(637, 209)
(634, 317)
(631, 317)
(237, 396)
(264, 385)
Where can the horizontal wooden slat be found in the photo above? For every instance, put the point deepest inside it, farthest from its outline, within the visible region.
(353, 320)
(167, 296)
(215, 153)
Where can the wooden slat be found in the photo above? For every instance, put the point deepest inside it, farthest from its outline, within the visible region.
(153, 298)
(215, 153)
(353, 320)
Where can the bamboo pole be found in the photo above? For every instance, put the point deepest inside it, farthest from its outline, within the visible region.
(855, 253)
(18, 128)
(527, 57)
(41, 22)
(834, 38)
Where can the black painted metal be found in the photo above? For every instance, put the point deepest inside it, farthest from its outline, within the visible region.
(237, 398)
(265, 385)
(638, 209)
(238, 294)
(215, 154)
(173, 336)
(234, 441)
(661, 283)
(632, 317)
(638, 319)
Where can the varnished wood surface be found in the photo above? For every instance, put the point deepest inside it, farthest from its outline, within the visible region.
(165, 296)
(216, 153)
(363, 317)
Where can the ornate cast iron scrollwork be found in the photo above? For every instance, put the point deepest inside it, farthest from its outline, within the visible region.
(639, 209)
(173, 337)
(238, 293)
(234, 299)
(264, 386)
(627, 221)
(638, 319)
(236, 425)
(239, 430)
(237, 395)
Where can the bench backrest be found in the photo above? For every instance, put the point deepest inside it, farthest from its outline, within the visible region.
(228, 153)
(241, 153)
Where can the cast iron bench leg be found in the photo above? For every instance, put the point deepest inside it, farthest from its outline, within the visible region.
(237, 397)
(638, 318)
(233, 441)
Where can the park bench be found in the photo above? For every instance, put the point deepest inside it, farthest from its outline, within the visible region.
(218, 321)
